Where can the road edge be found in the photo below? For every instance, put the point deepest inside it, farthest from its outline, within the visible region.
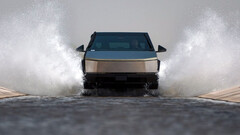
(8, 93)
(230, 95)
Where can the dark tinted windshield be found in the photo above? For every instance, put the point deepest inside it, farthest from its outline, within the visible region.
(128, 42)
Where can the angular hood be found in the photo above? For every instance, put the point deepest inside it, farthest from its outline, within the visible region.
(121, 55)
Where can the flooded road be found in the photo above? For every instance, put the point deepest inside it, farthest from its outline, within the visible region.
(72, 115)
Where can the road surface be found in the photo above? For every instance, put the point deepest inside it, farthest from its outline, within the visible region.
(34, 115)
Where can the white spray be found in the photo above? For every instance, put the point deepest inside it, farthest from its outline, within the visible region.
(33, 57)
(208, 59)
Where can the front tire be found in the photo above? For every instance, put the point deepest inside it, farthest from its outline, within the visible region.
(87, 85)
(153, 85)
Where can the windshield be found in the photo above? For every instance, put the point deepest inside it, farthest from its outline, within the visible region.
(120, 43)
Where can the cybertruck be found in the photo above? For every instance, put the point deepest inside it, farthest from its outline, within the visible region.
(120, 59)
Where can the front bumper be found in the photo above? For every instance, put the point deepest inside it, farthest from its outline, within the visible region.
(134, 80)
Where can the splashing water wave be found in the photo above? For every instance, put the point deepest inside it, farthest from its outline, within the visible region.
(207, 60)
(33, 57)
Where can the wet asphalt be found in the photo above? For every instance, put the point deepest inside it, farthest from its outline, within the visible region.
(72, 115)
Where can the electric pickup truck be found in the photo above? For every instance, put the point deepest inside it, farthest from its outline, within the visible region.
(120, 59)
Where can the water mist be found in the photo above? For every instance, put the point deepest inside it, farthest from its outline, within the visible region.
(33, 57)
(206, 60)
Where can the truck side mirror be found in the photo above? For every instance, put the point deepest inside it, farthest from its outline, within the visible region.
(80, 48)
(161, 49)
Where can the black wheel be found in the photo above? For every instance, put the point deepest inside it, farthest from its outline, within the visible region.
(153, 85)
(87, 85)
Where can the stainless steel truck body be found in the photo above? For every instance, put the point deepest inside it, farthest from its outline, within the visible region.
(120, 59)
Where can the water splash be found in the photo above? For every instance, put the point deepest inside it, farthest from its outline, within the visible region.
(207, 60)
(33, 57)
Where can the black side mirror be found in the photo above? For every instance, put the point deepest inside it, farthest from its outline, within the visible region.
(161, 49)
(80, 48)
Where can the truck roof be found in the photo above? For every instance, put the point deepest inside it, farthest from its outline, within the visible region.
(106, 33)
